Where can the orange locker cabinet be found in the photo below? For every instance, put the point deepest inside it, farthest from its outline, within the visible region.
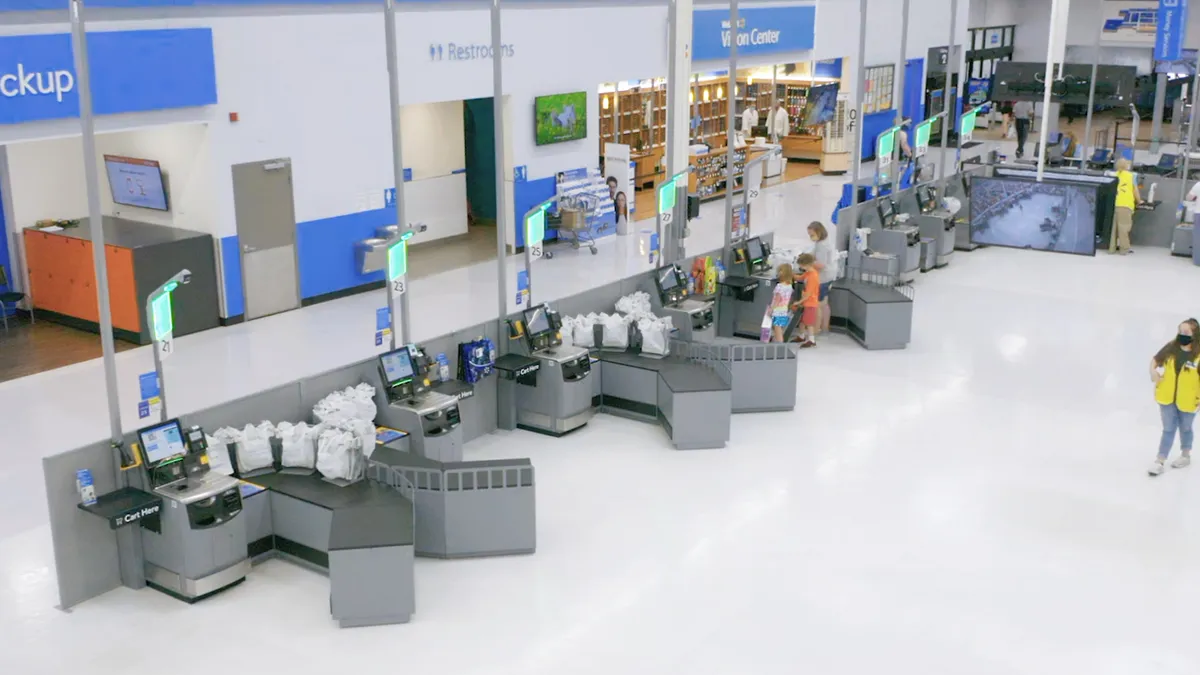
(139, 258)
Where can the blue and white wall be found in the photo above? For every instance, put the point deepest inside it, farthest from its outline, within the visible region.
(310, 84)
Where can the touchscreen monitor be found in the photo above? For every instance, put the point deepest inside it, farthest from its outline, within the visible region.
(162, 442)
(536, 321)
(754, 250)
(397, 366)
(667, 279)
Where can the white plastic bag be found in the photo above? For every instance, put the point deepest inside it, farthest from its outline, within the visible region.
(616, 332)
(364, 434)
(254, 450)
(299, 447)
(218, 456)
(584, 334)
(568, 331)
(335, 454)
(333, 409)
(363, 397)
(636, 303)
(655, 337)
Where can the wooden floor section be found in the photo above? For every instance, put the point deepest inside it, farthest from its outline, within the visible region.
(27, 348)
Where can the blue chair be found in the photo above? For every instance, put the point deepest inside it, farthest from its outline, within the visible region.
(8, 298)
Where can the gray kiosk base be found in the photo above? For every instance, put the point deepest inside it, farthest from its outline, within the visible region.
(878, 317)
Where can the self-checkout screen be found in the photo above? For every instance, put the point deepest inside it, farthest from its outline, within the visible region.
(536, 321)
(397, 366)
(136, 182)
(754, 250)
(667, 279)
(162, 442)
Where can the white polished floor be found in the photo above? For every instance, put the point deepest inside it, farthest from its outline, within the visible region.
(975, 504)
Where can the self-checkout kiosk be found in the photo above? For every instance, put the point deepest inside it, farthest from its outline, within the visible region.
(200, 545)
(962, 234)
(745, 294)
(692, 318)
(896, 238)
(551, 392)
(431, 419)
(934, 223)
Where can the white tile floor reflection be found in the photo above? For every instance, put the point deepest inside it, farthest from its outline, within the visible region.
(974, 504)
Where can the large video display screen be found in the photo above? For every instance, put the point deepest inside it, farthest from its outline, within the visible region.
(1020, 213)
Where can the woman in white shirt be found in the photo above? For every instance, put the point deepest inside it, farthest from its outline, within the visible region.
(827, 270)
(1191, 204)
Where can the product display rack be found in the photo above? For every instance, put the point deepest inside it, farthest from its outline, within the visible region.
(637, 117)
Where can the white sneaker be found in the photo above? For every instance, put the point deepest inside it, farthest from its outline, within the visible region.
(1182, 463)
(1156, 469)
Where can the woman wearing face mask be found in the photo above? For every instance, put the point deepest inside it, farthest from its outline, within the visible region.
(1176, 378)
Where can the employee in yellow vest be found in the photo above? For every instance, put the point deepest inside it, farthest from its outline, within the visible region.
(1128, 199)
(1175, 372)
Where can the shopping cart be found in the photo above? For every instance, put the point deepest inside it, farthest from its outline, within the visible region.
(572, 223)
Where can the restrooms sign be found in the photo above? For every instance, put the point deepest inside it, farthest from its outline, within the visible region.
(760, 30)
(132, 71)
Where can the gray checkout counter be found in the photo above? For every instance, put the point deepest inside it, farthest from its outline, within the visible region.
(877, 316)
(691, 400)
(745, 294)
(361, 534)
(692, 317)
(409, 402)
(900, 240)
(548, 390)
(934, 223)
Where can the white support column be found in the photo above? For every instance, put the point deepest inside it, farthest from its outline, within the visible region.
(679, 78)
(1054, 53)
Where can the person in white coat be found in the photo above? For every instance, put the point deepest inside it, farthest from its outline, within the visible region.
(780, 124)
(749, 119)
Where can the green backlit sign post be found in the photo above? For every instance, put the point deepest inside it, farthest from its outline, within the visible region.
(667, 238)
(885, 147)
(397, 278)
(160, 316)
(535, 239)
(966, 126)
(921, 137)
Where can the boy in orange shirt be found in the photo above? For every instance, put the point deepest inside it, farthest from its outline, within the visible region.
(810, 299)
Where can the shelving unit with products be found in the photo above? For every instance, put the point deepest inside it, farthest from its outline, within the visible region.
(708, 179)
(636, 116)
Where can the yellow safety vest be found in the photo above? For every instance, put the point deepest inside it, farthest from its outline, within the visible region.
(1182, 390)
(1125, 188)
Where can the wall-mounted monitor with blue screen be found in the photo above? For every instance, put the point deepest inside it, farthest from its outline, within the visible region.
(136, 182)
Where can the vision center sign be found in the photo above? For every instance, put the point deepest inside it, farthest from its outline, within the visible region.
(760, 30)
(132, 71)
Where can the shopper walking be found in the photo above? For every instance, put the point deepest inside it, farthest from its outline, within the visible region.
(1023, 118)
(1176, 376)
(1128, 199)
(827, 270)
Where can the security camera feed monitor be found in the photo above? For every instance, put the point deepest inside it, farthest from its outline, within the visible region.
(560, 118)
(1018, 213)
(397, 366)
(136, 182)
(162, 442)
(536, 321)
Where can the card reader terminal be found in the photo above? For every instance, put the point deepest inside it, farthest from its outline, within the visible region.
(755, 254)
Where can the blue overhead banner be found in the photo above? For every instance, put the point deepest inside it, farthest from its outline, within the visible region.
(132, 71)
(1172, 28)
(761, 30)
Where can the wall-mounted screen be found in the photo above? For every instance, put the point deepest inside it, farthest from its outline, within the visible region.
(560, 118)
(136, 182)
(1018, 213)
(821, 105)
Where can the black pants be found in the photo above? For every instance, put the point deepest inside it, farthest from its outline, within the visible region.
(1022, 135)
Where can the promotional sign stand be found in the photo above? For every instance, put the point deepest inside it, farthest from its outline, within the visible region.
(162, 329)
(535, 237)
(951, 64)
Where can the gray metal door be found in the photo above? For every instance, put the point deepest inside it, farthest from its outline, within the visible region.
(266, 227)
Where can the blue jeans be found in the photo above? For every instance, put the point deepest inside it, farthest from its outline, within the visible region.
(1173, 418)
